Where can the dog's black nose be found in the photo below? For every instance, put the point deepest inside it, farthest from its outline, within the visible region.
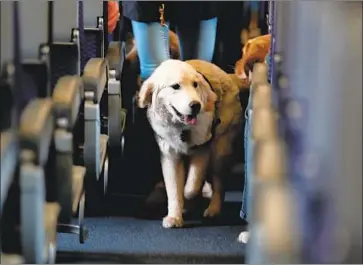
(195, 106)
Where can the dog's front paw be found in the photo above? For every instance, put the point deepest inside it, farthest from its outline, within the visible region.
(213, 210)
(172, 222)
(190, 192)
(243, 237)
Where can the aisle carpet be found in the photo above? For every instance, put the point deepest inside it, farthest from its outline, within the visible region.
(124, 238)
(133, 240)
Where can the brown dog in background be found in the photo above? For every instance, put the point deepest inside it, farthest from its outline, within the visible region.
(255, 50)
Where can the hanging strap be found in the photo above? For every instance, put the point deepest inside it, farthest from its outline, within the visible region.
(105, 27)
(50, 22)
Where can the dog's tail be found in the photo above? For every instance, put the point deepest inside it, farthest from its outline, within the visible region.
(242, 84)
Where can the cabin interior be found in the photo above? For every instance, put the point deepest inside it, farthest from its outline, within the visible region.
(79, 183)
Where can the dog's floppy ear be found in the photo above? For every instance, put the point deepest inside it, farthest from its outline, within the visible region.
(145, 93)
(211, 97)
(211, 100)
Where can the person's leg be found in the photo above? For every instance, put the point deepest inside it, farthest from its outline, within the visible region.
(245, 212)
(197, 40)
(152, 43)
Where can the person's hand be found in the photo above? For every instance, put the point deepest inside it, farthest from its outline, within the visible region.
(113, 15)
(255, 50)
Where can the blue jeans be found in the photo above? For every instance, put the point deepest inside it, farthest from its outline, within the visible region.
(152, 43)
(110, 38)
(253, 5)
(248, 145)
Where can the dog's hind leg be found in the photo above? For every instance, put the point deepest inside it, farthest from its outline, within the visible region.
(207, 190)
(196, 174)
(216, 201)
(220, 155)
(173, 172)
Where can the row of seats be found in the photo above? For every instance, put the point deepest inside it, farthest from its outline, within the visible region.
(57, 70)
(304, 179)
(270, 201)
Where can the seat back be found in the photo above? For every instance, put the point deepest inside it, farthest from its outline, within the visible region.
(8, 137)
(34, 29)
(67, 95)
(106, 36)
(92, 10)
(7, 35)
(94, 30)
(6, 56)
(81, 34)
(35, 52)
(65, 45)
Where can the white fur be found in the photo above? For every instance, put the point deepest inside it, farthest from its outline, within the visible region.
(171, 72)
(207, 190)
(173, 172)
(170, 141)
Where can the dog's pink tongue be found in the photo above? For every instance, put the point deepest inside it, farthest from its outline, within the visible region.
(191, 121)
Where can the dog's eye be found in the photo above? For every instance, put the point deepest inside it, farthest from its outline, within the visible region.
(195, 84)
(175, 86)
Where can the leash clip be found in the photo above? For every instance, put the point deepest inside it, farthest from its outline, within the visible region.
(161, 11)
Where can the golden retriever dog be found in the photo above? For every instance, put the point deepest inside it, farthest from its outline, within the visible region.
(195, 112)
(173, 46)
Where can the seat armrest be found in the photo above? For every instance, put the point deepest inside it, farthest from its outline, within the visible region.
(95, 78)
(67, 100)
(36, 129)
